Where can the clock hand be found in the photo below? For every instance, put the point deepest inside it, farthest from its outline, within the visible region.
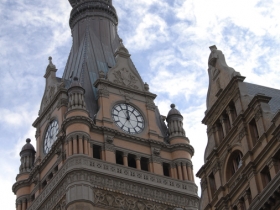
(127, 114)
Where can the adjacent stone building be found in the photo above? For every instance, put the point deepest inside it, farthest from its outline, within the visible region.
(101, 142)
(242, 157)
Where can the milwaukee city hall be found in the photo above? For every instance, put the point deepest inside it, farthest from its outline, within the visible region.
(101, 142)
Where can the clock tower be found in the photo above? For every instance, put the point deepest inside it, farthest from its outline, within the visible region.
(101, 142)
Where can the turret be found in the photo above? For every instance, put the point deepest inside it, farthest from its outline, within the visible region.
(175, 122)
(27, 157)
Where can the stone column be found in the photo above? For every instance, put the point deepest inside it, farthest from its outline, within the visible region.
(174, 169)
(75, 146)
(19, 205)
(151, 168)
(81, 145)
(190, 173)
(138, 164)
(85, 147)
(70, 147)
(185, 172)
(90, 150)
(125, 161)
(24, 204)
(179, 168)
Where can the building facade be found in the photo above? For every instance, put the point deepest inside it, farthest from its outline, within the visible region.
(242, 157)
(101, 142)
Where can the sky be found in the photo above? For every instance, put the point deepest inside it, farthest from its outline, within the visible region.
(169, 43)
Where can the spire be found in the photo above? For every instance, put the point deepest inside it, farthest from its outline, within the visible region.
(96, 46)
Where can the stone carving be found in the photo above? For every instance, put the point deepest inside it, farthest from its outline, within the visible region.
(241, 134)
(102, 74)
(146, 87)
(258, 114)
(124, 77)
(150, 103)
(156, 151)
(110, 139)
(203, 184)
(48, 95)
(127, 95)
(103, 90)
(105, 198)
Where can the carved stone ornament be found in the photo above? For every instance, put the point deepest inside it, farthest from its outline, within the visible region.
(127, 95)
(150, 103)
(203, 184)
(241, 134)
(146, 87)
(103, 90)
(102, 74)
(124, 77)
(110, 139)
(48, 96)
(156, 151)
(258, 114)
(119, 201)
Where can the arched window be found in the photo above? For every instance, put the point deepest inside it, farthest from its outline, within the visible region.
(234, 163)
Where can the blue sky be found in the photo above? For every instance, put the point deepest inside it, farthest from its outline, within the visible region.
(168, 41)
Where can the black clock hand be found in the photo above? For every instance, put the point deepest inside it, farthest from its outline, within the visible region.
(127, 114)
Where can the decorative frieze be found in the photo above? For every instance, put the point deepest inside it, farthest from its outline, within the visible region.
(93, 170)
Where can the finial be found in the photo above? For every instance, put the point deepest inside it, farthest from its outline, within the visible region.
(28, 141)
(172, 106)
(213, 47)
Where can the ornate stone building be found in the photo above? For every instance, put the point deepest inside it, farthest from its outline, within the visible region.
(242, 157)
(101, 142)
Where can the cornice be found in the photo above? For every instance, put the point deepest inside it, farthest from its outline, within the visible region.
(227, 93)
(123, 88)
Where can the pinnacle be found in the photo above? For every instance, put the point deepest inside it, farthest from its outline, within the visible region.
(172, 106)
(28, 140)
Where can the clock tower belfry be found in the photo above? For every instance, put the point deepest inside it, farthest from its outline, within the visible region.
(101, 142)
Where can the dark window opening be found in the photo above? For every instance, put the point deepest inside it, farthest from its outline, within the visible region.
(119, 157)
(44, 184)
(233, 111)
(276, 159)
(212, 184)
(227, 122)
(254, 131)
(131, 161)
(265, 174)
(96, 151)
(55, 169)
(32, 197)
(249, 196)
(234, 163)
(220, 131)
(144, 164)
(166, 168)
(242, 204)
(50, 176)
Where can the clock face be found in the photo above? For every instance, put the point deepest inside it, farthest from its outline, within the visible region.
(128, 118)
(50, 137)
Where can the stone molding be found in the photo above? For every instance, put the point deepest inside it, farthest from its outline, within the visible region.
(91, 9)
(117, 178)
